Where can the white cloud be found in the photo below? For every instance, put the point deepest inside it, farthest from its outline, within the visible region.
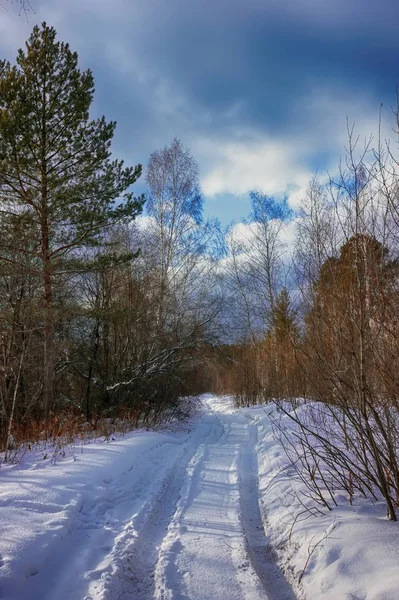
(271, 166)
(243, 234)
(144, 222)
(288, 237)
(284, 164)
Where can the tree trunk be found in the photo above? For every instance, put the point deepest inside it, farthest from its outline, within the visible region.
(90, 375)
(48, 375)
(48, 387)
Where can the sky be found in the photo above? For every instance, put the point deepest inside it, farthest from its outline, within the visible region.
(259, 90)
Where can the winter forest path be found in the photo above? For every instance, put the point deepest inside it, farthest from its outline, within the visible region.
(215, 546)
(179, 521)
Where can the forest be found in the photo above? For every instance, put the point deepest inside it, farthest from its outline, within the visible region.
(115, 306)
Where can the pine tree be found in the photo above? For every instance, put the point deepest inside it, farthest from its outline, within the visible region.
(56, 170)
(280, 342)
(283, 317)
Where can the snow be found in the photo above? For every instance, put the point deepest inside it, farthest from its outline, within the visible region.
(207, 510)
(59, 523)
(354, 549)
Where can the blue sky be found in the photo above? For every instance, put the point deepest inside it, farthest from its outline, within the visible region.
(258, 89)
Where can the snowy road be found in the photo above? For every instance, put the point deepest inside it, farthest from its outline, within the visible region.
(174, 516)
(215, 546)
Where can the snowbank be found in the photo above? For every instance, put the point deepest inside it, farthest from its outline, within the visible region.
(348, 553)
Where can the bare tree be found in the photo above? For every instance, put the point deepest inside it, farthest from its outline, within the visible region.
(23, 6)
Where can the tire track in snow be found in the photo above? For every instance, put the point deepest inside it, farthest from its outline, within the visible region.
(135, 553)
(259, 551)
(99, 514)
(204, 554)
(199, 535)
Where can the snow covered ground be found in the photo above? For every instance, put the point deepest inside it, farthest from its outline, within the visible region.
(349, 553)
(189, 514)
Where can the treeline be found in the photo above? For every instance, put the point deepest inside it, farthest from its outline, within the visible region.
(102, 317)
(333, 339)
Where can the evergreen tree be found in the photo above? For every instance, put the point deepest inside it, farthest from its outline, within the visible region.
(283, 317)
(280, 348)
(56, 170)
